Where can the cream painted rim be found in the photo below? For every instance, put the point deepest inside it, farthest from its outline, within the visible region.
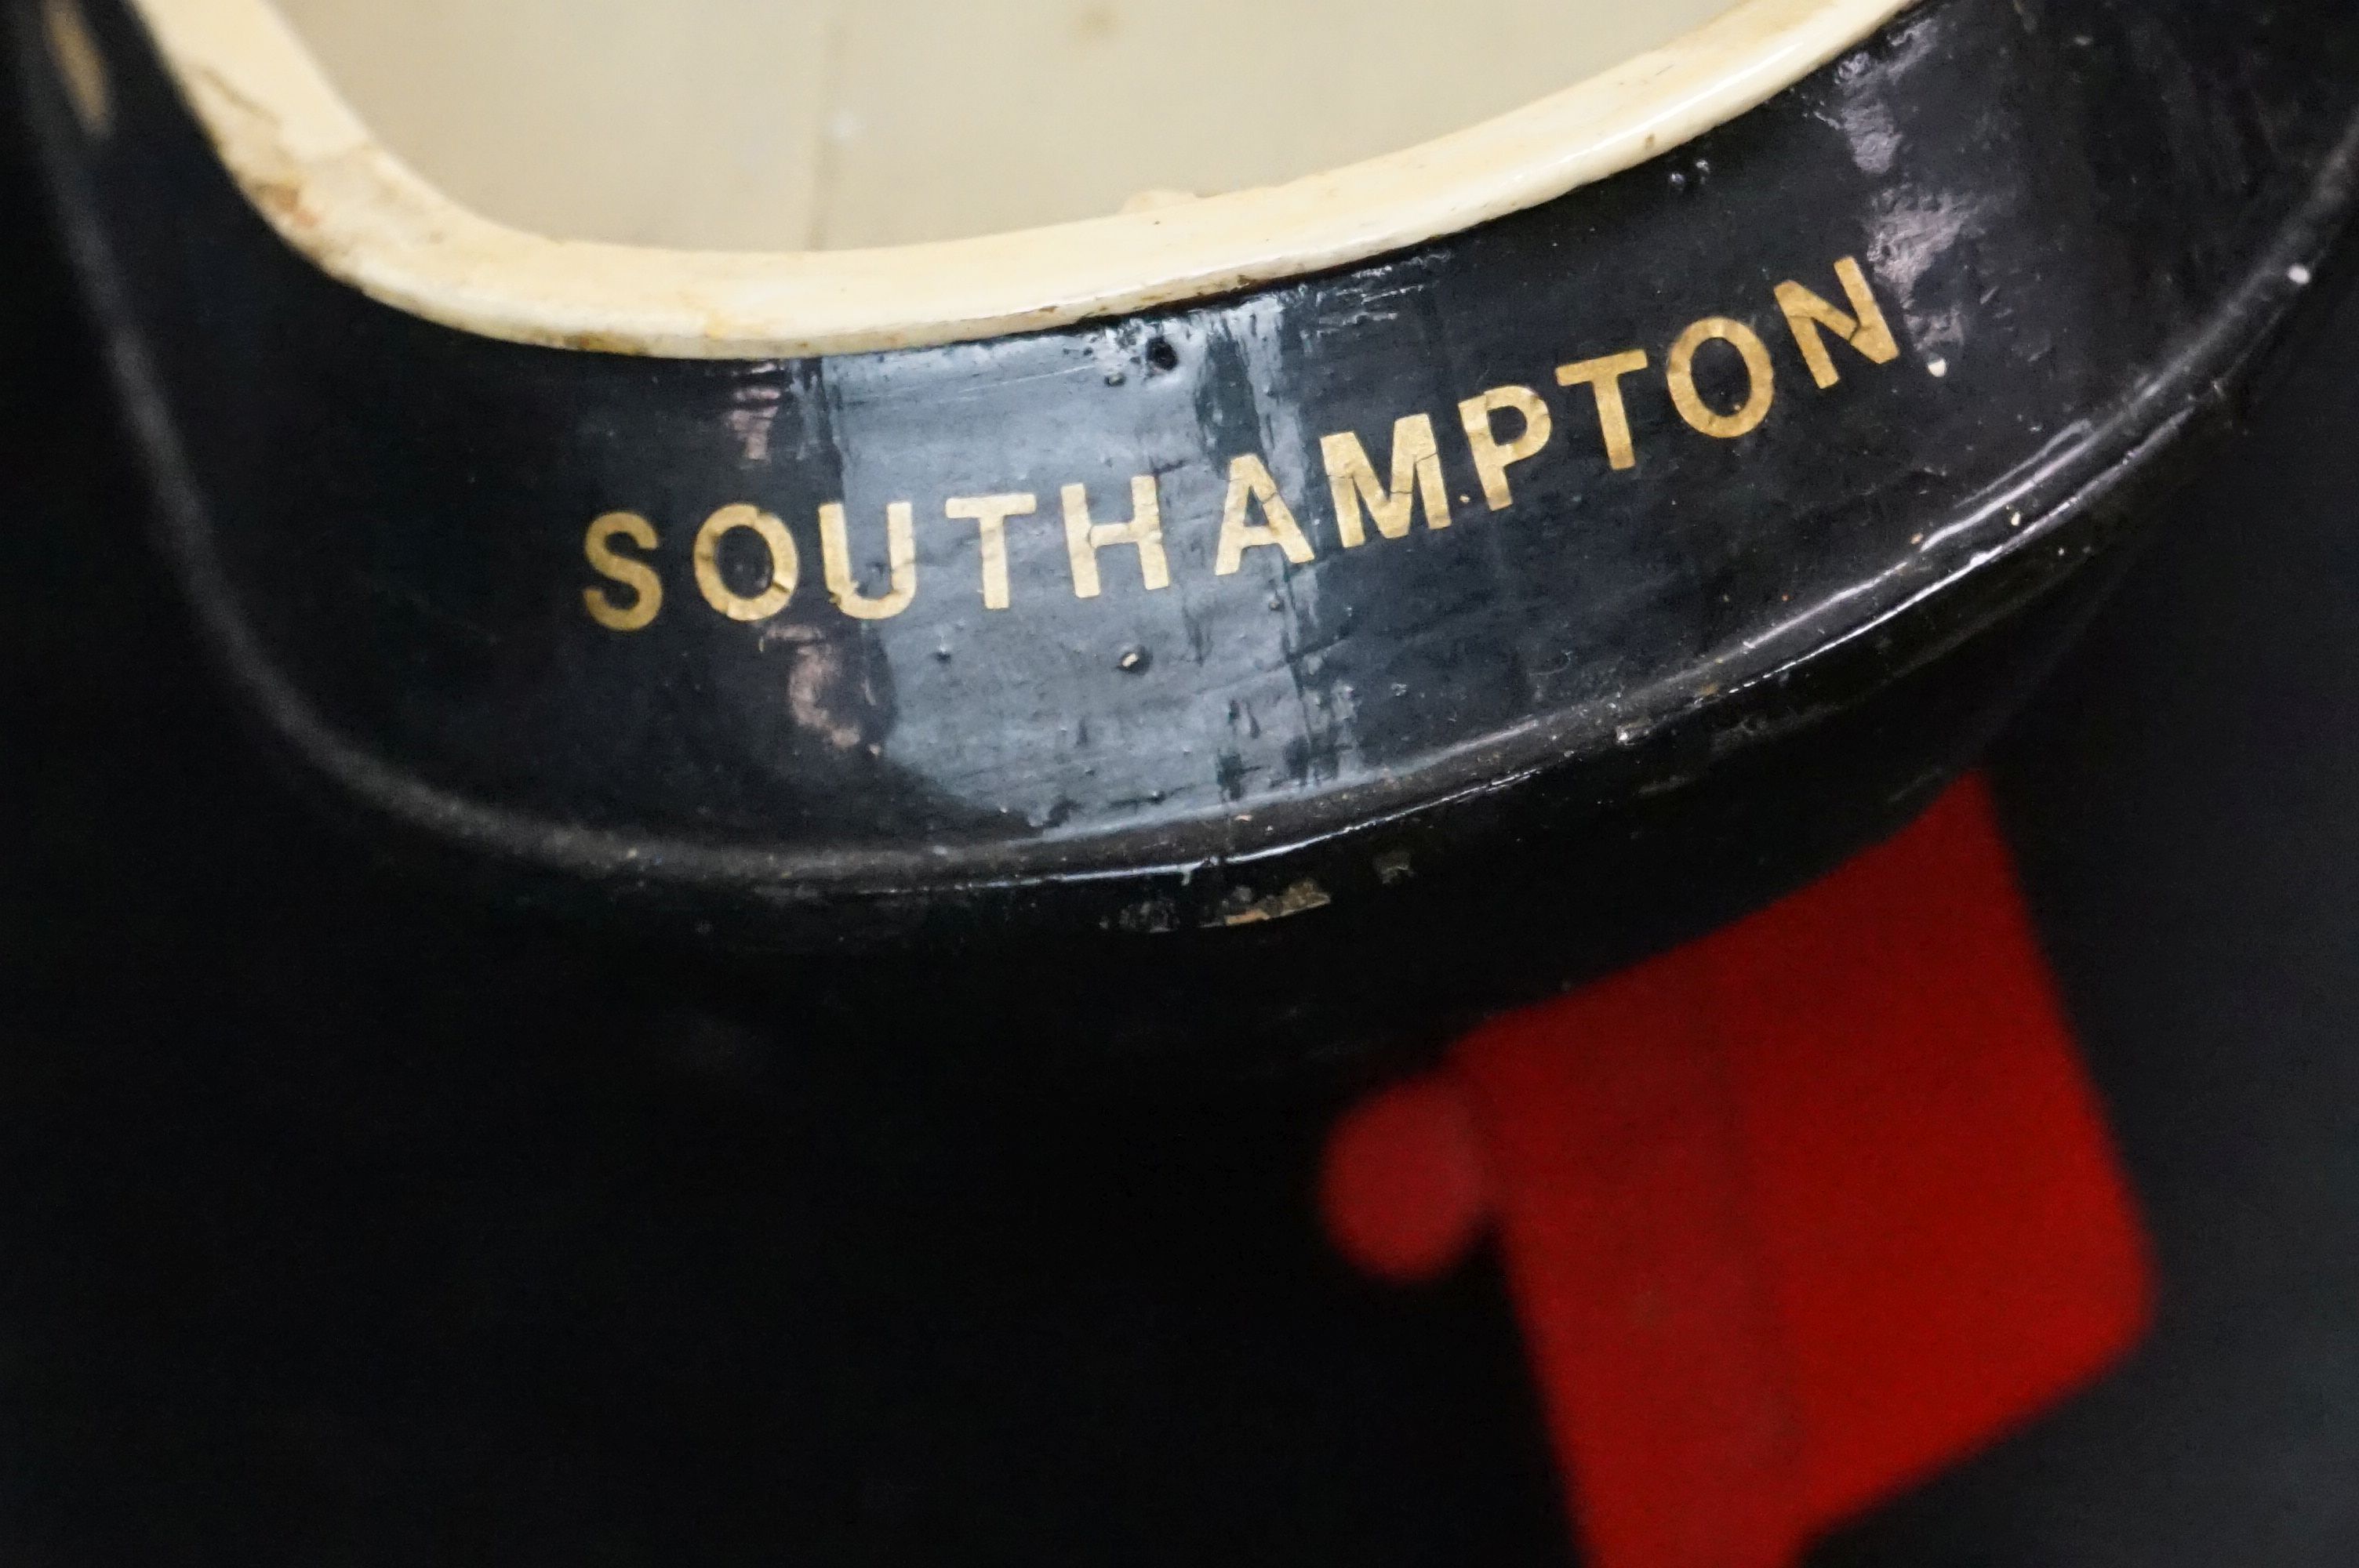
(345, 201)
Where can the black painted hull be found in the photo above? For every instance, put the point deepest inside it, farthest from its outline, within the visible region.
(1771, 580)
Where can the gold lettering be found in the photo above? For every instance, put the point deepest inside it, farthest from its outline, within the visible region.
(1493, 455)
(1868, 330)
(1604, 376)
(900, 554)
(990, 514)
(646, 589)
(786, 564)
(1417, 475)
(1763, 373)
(1250, 482)
(1085, 540)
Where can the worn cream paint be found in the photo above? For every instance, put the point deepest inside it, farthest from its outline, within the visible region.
(839, 124)
(341, 195)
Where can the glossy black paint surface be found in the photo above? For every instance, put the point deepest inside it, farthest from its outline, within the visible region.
(1665, 693)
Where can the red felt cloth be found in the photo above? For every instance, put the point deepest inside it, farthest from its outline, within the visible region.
(1791, 1218)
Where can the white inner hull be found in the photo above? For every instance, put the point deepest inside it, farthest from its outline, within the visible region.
(754, 178)
(826, 125)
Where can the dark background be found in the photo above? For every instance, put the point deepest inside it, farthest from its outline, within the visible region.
(343, 1223)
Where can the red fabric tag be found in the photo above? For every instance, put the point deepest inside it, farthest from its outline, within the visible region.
(1791, 1218)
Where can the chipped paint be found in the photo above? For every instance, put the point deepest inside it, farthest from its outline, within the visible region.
(1243, 909)
(340, 196)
